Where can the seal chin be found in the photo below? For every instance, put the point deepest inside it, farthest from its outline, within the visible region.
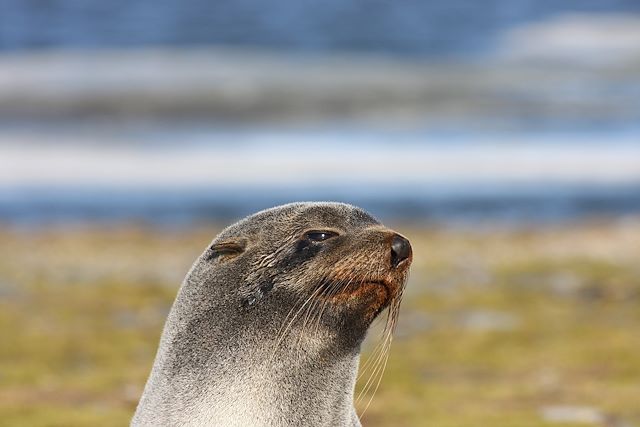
(381, 293)
(383, 288)
(369, 296)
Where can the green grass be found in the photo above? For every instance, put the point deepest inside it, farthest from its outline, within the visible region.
(81, 312)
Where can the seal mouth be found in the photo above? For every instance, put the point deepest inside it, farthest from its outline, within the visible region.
(389, 287)
(378, 293)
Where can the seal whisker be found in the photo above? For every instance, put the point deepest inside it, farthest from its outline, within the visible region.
(384, 348)
(334, 289)
(375, 367)
(392, 318)
(378, 371)
(374, 353)
(384, 366)
(293, 308)
(284, 333)
(327, 294)
(380, 346)
(382, 358)
(310, 310)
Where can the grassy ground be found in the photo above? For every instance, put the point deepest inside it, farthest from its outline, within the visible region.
(498, 328)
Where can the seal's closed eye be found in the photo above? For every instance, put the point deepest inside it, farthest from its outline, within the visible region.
(320, 235)
(230, 248)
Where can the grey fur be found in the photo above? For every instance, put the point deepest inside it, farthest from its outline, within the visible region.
(223, 359)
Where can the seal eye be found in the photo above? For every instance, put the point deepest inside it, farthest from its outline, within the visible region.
(319, 236)
(225, 249)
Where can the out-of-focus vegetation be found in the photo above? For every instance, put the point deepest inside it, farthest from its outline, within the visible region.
(499, 327)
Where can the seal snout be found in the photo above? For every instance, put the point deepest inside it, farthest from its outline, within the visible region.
(400, 250)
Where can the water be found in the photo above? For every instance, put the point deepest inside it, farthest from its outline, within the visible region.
(507, 90)
(179, 208)
(514, 112)
(412, 27)
(416, 176)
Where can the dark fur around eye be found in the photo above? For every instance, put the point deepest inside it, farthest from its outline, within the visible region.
(303, 250)
(308, 246)
(320, 235)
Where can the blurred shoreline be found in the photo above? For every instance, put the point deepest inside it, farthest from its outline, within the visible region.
(508, 89)
(569, 71)
(542, 126)
(182, 208)
(221, 175)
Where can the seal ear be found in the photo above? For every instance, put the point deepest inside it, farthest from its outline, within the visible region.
(229, 248)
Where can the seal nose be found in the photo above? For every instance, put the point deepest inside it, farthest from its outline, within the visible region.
(400, 250)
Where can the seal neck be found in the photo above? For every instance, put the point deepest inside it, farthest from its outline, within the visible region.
(287, 391)
(303, 379)
(224, 366)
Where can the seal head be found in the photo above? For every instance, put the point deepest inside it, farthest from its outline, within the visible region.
(267, 326)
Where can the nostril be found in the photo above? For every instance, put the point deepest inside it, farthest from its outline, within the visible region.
(400, 250)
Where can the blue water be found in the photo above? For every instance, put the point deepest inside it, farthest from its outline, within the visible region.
(417, 177)
(408, 27)
(187, 82)
(515, 207)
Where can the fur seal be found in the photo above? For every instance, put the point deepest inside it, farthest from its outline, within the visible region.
(267, 326)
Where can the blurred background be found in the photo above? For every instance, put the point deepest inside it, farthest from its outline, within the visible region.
(502, 137)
